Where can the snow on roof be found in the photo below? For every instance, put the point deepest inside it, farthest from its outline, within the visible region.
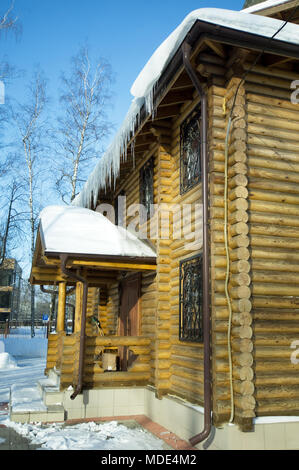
(265, 5)
(143, 87)
(69, 229)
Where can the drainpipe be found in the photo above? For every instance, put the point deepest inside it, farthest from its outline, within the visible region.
(186, 49)
(79, 278)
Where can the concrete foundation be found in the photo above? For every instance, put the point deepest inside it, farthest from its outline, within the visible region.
(174, 414)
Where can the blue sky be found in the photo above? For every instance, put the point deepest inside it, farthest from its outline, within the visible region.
(126, 33)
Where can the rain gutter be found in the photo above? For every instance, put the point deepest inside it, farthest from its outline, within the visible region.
(78, 278)
(199, 86)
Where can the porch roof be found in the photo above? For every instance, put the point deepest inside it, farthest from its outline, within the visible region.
(89, 241)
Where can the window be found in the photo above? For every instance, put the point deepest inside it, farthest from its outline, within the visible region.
(147, 185)
(5, 298)
(6, 278)
(190, 328)
(120, 209)
(190, 171)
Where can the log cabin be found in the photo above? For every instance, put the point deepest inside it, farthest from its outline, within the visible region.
(181, 246)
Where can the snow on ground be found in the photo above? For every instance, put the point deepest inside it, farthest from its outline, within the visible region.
(7, 361)
(20, 343)
(23, 377)
(88, 436)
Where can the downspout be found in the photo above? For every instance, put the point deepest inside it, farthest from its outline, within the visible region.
(78, 278)
(186, 49)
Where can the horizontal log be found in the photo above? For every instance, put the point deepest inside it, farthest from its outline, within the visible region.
(273, 302)
(273, 219)
(238, 305)
(118, 341)
(241, 292)
(246, 402)
(274, 289)
(242, 345)
(244, 387)
(272, 277)
(238, 192)
(273, 196)
(280, 114)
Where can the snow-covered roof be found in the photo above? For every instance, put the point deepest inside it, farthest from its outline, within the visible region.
(76, 230)
(144, 85)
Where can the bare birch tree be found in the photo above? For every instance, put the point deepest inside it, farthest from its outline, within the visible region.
(9, 21)
(10, 228)
(81, 129)
(29, 121)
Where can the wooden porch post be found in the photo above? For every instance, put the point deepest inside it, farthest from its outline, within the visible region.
(78, 308)
(61, 306)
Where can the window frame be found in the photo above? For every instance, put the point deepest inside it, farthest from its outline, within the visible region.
(195, 115)
(197, 336)
(149, 165)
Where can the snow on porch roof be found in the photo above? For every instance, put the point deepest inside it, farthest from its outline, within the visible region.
(108, 166)
(76, 230)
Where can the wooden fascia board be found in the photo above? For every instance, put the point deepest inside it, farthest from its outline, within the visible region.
(106, 264)
(268, 11)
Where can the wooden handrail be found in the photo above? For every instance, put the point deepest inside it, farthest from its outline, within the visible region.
(119, 340)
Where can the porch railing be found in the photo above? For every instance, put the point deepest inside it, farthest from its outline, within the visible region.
(134, 367)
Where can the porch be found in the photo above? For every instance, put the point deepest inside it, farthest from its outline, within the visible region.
(82, 252)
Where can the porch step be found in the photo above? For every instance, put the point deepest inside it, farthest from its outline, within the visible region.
(49, 392)
(27, 406)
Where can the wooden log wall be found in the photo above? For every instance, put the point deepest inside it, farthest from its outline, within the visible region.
(273, 175)
(240, 277)
(220, 101)
(163, 314)
(112, 310)
(186, 361)
(52, 353)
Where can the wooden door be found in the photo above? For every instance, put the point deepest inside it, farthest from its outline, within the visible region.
(129, 313)
(129, 306)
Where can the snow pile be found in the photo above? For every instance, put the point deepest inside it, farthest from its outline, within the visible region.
(26, 399)
(142, 89)
(88, 436)
(7, 361)
(26, 375)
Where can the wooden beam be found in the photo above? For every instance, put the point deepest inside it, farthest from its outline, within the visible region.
(116, 265)
(167, 112)
(61, 306)
(177, 97)
(217, 47)
(78, 307)
(276, 61)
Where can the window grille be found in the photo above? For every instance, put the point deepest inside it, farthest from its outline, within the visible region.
(190, 295)
(190, 171)
(147, 185)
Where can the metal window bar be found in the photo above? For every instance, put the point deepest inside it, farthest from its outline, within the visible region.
(190, 299)
(190, 144)
(147, 185)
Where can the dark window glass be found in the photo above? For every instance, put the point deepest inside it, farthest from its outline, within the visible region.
(190, 151)
(147, 185)
(120, 209)
(6, 278)
(5, 299)
(191, 300)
